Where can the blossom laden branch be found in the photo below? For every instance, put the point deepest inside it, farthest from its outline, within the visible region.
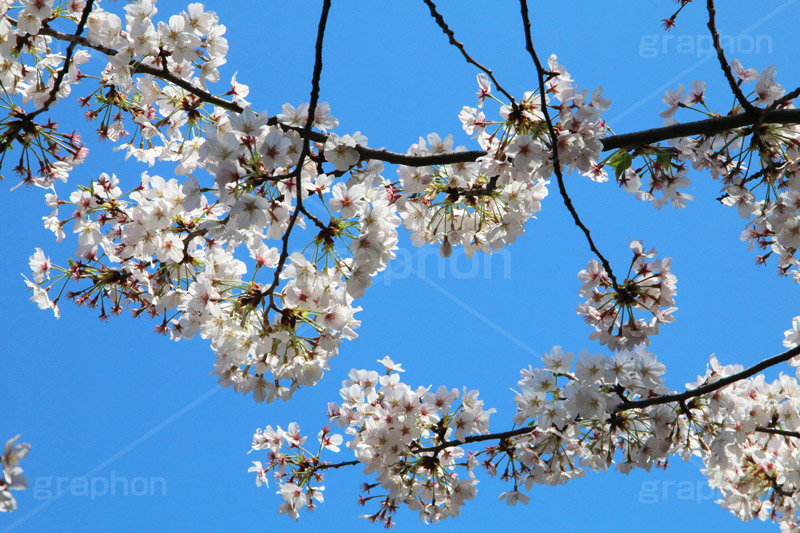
(626, 405)
(161, 73)
(713, 386)
(636, 139)
(413, 438)
(168, 247)
(87, 9)
(709, 127)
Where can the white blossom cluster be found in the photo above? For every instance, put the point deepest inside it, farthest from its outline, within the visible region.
(25, 63)
(573, 415)
(661, 172)
(171, 248)
(394, 432)
(189, 47)
(267, 257)
(760, 172)
(758, 167)
(578, 424)
(650, 287)
(587, 421)
(170, 251)
(12, 478)
(484, 205)
(756, 471)
(190, 44)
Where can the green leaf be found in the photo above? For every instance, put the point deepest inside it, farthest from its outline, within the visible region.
(621, 162)
(664, 159)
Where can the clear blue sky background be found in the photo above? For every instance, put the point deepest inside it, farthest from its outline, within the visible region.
(103, 400)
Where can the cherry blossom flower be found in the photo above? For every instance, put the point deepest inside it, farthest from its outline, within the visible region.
(11, 478)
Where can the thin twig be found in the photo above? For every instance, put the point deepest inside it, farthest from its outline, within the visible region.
(312, 107)
(67, 62)
(723, 63)
(785, 98)
(447, 31)
(540, 71)
(317, 222)
(327, 466)
(486, 190)
(478, 438)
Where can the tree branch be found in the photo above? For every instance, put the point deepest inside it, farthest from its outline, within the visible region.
(312, 107)
(639, 404)
(726, 68)
(710, 126)
(447, 31)
(710, 387)
(161, 73)
(540, 71)
(67, 62)
(317, 222)
(328, 466)
(478, 438)
(775, 431)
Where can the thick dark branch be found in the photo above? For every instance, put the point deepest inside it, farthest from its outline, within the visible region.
(540, 71)
(775, 431)
(447, 31)
(709, 126)
(67, 62)
(710, 387)
(312, 108)
(397, 158)
(478, 438)
(726, 68)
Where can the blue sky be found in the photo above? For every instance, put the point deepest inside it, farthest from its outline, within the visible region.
(107, 401)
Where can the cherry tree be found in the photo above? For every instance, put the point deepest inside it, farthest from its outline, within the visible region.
(275, 226)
